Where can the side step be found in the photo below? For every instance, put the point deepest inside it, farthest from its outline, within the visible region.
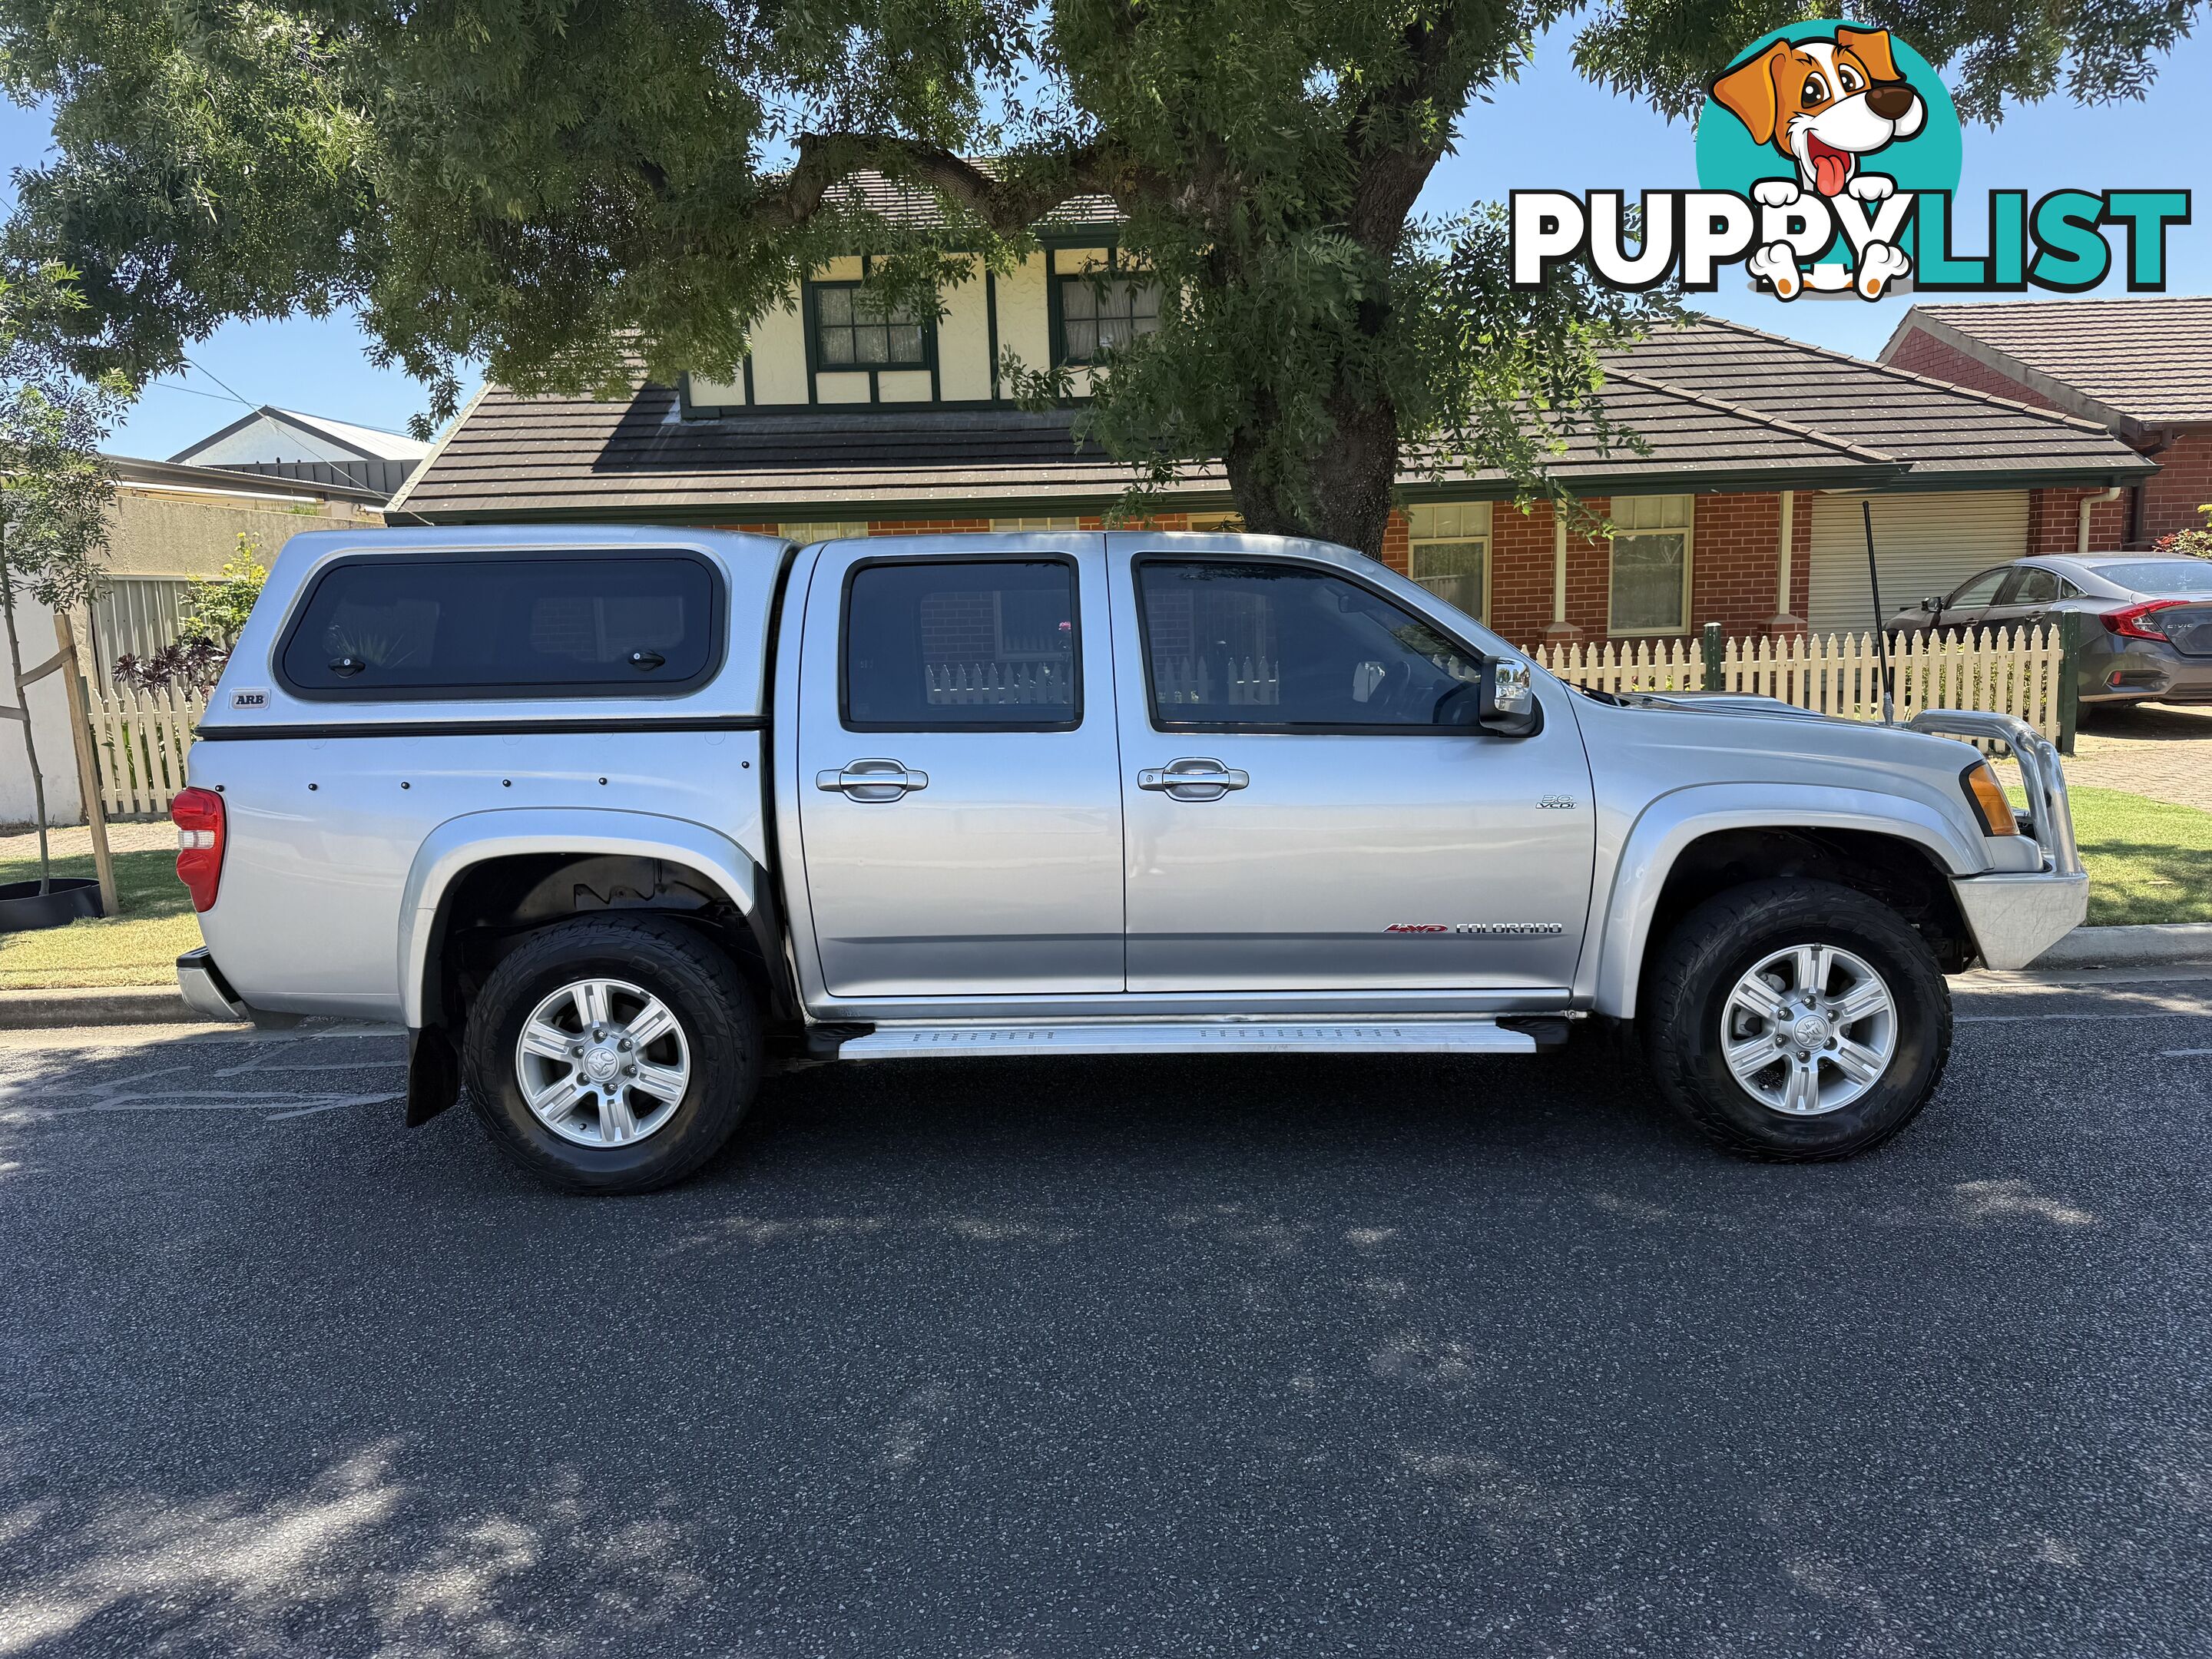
(1523, 1035)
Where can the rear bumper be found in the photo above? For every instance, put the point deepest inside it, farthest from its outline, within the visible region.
(206, 989)
(2143, 671)
(2015, 919)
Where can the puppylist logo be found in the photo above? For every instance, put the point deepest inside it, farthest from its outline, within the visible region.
(1828, 161)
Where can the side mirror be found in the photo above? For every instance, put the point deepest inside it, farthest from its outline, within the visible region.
(1509, 697)
(1931, 606)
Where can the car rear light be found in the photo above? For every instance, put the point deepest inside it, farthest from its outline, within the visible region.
(1989, 800)
(2133, 622)
(197, 814)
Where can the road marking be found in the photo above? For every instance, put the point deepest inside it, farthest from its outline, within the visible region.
(2184, 1053)
(332, 1106)
(2003, 1019)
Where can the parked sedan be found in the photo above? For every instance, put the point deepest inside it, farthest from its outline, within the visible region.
(2147, 627)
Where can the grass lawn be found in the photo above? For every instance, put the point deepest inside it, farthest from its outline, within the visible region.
(2147, 860)
(139, 947)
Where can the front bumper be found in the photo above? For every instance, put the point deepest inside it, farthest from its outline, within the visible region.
(2015, 916)
(2015, 919)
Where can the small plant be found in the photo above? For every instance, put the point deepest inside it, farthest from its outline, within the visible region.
(215, 612)
(2194, 543)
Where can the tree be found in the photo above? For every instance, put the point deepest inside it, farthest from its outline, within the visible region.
(547, 190)
(54, 490)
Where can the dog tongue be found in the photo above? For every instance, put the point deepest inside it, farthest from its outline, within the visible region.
(1832, 169)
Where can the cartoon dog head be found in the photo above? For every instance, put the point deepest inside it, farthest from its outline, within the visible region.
(1824, 103)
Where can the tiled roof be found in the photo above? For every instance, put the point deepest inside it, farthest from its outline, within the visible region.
(900, 203)
(2145, 361)
(1718, 407)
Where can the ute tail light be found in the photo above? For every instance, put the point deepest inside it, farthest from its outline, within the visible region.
(2135, 623)
(197, 814)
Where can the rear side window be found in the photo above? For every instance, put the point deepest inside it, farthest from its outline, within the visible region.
(614, 625)
(953, 644)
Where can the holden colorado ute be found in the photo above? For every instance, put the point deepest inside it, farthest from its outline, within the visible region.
(610, 818)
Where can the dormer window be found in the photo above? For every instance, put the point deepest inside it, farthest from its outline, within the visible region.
(1101, 313)
(854, 329)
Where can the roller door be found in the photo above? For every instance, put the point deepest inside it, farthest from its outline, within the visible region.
(1923, 544)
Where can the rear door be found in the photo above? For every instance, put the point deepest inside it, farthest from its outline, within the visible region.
(958, 776)
(1310, 806)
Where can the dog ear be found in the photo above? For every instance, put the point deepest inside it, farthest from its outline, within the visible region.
(1747, 92)
(1870, 47)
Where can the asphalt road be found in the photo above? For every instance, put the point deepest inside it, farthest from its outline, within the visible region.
(996, 1359)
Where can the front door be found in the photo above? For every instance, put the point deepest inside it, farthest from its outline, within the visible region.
(958, 777)
(1310, 806)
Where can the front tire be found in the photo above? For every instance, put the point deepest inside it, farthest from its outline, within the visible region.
(1796, 1020)
(613, 1053)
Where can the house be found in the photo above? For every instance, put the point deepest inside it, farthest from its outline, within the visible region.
(309, 449)
(1743, 508)
(2141, 367)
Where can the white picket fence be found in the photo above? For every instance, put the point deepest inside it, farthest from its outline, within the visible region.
(2010, 672)
(1024, 683)
(138, 743)
(1250, 680)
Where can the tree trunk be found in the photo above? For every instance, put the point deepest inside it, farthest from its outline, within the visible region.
(1351, 478)
(23, 702)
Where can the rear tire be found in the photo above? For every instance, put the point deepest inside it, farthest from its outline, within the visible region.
(642, 1052)
(1767, 1011)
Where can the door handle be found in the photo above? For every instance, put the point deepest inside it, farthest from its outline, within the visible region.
(872, 780)
(1193, 779)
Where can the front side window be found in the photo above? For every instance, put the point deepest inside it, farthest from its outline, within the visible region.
(1285, 648)
(620, 624)
(856, 329)
(1448, 551)
(1099, 314)
(1650, 564)
(1982, 590)
(942, 644)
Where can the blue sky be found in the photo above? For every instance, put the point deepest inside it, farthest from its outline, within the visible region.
(1550, 130)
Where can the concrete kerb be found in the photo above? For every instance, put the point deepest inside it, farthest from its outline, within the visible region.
(2131, 947)
(116, 1004)
(2175, 944)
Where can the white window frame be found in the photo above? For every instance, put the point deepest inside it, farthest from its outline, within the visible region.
(1000, 527)
(1448, 526)
(1653, 516)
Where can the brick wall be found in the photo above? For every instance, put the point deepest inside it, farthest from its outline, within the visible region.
(2184, 483)
(2054, 522)
(1922, 354)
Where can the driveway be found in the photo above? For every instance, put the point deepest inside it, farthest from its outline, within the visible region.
(1134, 1359)
(2164, 753)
